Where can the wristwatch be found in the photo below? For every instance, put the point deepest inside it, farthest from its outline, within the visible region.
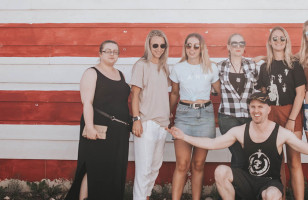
(136, 118)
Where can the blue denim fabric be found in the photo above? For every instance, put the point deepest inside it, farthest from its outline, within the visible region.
(226, 122)
(196, 122)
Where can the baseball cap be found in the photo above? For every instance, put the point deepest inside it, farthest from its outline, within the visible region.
(260, 96)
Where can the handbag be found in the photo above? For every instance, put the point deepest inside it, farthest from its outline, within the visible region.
(100, 129)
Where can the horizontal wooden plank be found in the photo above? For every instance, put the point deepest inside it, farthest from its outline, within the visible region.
(135, 36)
(64, 171)
(38, 86)
(158, 4)
(51, 40)
(46, 107)
(56, 73)
(61, 142)
(40, 111)
(162, 15)
(148, 25)
(134, 51)
(39, 96)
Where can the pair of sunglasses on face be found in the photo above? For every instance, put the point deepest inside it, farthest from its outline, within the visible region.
(162, 46)
(190, 45)
(282, 38)
(241, 44)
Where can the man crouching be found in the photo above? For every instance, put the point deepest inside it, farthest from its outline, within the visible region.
(262, 142)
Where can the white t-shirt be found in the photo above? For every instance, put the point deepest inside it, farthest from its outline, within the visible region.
(194, 84)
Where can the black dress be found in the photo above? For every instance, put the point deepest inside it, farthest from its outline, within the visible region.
(105, 161)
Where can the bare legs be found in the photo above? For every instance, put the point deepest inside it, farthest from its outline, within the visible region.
(296, 172)
(223, 179)
(84, 188)
(187, 155)
(271, 193)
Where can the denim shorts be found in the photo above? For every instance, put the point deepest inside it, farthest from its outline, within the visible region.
(196, 122)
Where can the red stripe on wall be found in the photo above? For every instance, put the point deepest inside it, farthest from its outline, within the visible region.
(40, 107)
(36, 170)
(82, 40)
(46, 107)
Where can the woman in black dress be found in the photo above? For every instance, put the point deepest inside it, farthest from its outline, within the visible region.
(102, 163)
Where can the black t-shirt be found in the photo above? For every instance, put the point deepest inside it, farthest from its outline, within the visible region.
(281, 82)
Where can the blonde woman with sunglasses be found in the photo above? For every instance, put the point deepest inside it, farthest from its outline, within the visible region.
(303, 58)
(238, 76)
(282, 78)
(150, 108)
(192, 79)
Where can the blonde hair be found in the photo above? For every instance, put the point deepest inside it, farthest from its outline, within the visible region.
(205, 61)
(147, 56)
(303, 53)
(288, 56)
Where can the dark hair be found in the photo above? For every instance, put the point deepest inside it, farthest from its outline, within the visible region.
(106, 42)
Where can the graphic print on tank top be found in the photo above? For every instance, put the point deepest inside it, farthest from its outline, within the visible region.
(259, 163)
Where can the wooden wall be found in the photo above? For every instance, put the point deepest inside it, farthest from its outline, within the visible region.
(45, 46)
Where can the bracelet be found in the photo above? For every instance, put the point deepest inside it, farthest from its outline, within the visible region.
(291, 119)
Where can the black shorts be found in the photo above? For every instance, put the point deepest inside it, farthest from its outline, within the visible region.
(251, 187)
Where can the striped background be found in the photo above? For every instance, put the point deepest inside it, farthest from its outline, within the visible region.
(45, 46)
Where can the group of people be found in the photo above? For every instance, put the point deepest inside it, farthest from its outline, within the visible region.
(251, 122)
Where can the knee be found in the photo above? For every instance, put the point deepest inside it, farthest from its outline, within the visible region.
(182, 166)
(222, 172)
(294, 164)
(197, 166)
(271, 193)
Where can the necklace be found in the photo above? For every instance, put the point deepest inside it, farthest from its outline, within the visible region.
(238, 79)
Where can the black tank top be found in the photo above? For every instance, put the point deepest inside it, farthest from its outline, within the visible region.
(111, 97)
(263, 158)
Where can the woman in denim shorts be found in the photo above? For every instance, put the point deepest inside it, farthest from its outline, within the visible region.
(192, 79)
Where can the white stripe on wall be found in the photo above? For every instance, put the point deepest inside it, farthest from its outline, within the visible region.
(55, 73)
(173, 11)
(60, 142)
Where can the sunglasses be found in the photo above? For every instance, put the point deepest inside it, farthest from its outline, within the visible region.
(282, 38)
(155, 46)
(108, 51)
(262, 99)
(195, 46)
(306, 33)
(241, 44)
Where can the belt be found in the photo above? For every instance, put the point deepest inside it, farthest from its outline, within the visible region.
(196, 105)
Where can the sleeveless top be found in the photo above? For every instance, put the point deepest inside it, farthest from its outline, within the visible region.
(262, 159)
(111, 96)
